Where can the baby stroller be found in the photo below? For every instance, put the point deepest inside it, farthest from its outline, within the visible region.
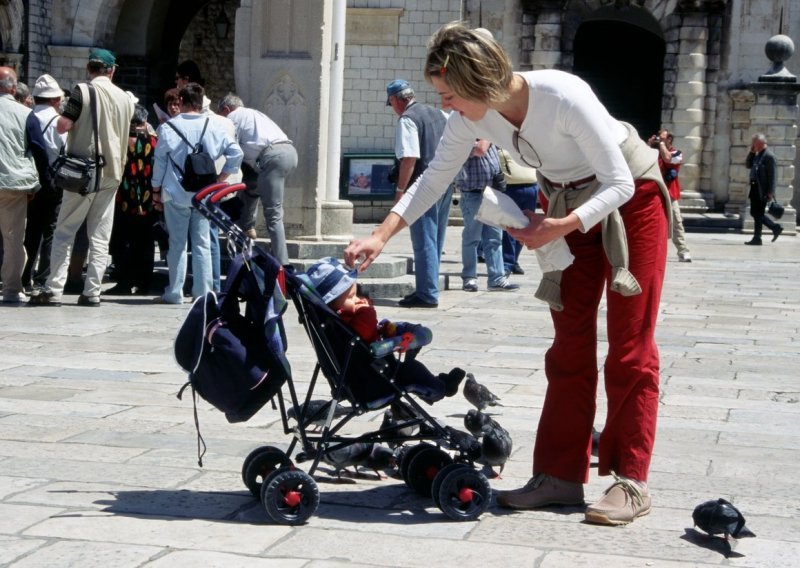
(435, 460)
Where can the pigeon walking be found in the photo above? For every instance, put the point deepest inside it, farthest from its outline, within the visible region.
(721, 517)
(353, 455)
(476, 422)
(478, 395)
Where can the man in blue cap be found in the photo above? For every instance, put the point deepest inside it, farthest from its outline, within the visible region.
(113, 109)
(419, 129)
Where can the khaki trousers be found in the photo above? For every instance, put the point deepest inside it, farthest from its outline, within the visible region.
(13, 212)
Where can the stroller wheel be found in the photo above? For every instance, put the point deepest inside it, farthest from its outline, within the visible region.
(464, 494)
(290, 496)
(423, 469)
(437, 481)
(251, 456)
(259, 464)
(408, 455)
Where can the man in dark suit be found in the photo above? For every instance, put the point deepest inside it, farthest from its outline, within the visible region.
(763, 172)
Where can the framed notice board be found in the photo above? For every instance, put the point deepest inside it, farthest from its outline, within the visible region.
(366, 176)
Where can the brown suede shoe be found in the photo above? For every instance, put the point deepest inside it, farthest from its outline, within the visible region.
(542, 491)
(623, 502)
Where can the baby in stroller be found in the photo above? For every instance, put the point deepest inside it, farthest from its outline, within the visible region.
(340, 290)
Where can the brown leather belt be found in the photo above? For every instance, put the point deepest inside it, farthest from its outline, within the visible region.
(572, 184)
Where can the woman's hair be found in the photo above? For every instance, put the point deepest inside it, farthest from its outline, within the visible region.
(139, 115)
(472, 63)
(171, 95)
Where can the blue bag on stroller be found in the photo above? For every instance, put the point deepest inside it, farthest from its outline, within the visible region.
(236, 361)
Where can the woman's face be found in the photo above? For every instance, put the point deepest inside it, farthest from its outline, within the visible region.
(469, 109)
(174, 107)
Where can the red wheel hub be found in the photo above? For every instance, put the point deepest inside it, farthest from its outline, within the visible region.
(465, 495)
(431, 472)
(292, 498)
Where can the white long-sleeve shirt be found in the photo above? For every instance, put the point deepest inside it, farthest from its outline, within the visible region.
(571, 133)
(254, 132)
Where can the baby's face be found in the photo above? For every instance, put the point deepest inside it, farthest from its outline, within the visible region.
(349, 301)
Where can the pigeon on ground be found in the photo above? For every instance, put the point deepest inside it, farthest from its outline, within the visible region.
(354, 455)
(464, 442)
(721, 517)
(380, 459)
(317, 412)
(478, 395)
(390, 421)
(496, 447)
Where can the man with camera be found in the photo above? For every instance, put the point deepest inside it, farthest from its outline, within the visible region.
(669, 161)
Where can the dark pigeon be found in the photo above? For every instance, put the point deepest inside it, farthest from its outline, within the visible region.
(476, 422)
(354, 455)
(496, 447)
(478, 395)
(464, 442)
(720, 517)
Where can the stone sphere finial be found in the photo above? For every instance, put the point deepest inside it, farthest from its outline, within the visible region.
(779, 48)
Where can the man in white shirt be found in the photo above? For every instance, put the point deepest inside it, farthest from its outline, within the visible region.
(267, 150)
(43, 208)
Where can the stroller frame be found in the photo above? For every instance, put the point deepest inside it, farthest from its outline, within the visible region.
(289, 494)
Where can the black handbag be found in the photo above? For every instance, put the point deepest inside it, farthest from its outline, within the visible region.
(776, 209)
(77, 174)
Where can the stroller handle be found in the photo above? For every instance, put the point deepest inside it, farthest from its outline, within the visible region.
(218, 195)
(208, 190)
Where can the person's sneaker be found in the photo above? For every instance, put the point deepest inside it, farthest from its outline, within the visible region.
(89, 301)
(623, 502)
(14, 298)
(45, 299)
(503, 286)
(517, 269)
(542, 491)
(470, 285)
(776, 233)
(684, 257)
(415, 301)
(753, 242)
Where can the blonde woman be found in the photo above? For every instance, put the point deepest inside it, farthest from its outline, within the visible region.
(552, 121)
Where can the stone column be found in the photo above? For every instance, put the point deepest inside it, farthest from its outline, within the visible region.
(689, 115)
(282, 62)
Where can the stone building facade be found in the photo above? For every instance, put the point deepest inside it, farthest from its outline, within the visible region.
(687, 65)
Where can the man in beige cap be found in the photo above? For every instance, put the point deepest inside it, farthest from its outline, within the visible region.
(18, 179)
(114, 112)
(46, 143)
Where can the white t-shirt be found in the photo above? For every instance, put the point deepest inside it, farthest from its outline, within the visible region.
(568, 130)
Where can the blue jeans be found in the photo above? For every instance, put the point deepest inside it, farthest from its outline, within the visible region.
(474, 233)
(216, 260)
(183, 222)
(427, 240)
(525, 197)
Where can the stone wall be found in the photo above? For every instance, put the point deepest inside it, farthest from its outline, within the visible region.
(39, 32)
(373, 58)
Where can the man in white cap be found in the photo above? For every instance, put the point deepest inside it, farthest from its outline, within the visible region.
(46, 143)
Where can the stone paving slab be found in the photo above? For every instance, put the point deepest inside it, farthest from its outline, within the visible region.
(98, 458)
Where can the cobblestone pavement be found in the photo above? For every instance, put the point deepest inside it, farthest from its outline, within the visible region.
(98, 456)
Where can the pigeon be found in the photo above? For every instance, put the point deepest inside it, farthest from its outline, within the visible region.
(380, 459)
(478, 395)
(317, 412)
(495, 447)
(476, 422)
(354, 455)
(720, 517)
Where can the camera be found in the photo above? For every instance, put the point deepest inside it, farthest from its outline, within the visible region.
(654, 141)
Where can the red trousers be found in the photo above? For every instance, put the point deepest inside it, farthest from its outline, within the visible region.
(563, 440)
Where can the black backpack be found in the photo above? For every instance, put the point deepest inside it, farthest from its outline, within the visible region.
(199, 169)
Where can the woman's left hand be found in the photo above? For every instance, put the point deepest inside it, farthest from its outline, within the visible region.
(542, 230)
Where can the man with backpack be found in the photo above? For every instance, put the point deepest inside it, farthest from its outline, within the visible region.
(97, 116)
(188, 144)
(43, 208)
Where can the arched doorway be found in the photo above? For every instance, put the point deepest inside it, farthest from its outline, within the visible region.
(620, 53)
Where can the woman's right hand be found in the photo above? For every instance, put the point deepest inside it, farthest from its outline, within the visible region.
(361, 252)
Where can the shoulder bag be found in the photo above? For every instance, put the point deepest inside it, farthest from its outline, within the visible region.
(76, 174)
